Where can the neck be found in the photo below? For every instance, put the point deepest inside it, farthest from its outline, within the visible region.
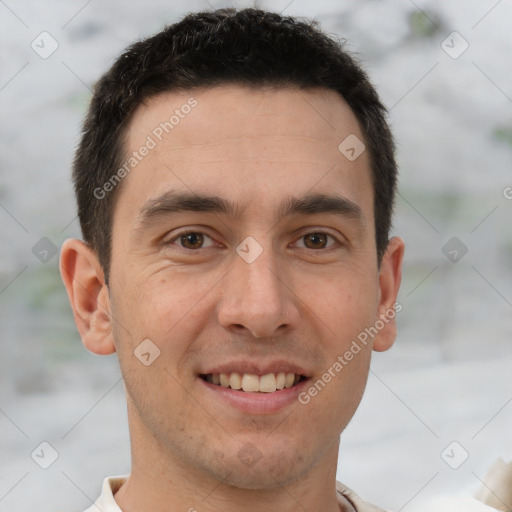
(161, 481)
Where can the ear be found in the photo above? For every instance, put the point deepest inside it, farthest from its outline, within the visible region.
(84, 280)
(390, 277)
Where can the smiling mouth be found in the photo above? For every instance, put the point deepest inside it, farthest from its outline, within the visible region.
(248, 382)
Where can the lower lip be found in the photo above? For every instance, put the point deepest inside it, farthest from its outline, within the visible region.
(257, 402)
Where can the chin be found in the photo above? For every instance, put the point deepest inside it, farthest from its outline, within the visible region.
(265, 473)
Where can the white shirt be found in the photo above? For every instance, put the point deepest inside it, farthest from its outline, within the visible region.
(107, 503)
(499, 483)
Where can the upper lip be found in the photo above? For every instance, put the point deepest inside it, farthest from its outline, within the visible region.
(257, 368)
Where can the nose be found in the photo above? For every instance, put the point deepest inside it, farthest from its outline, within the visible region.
(258, 297)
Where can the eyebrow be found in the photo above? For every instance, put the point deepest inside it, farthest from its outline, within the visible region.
(310, 204)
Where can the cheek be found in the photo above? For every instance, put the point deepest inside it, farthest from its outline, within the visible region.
(161, 302)
(334, 395)
(342, 308)
(168, 310)
(345, 301)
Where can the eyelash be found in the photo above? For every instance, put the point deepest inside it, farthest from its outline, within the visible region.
(189, 232)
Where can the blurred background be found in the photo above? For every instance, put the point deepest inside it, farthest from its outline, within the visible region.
(438, 406)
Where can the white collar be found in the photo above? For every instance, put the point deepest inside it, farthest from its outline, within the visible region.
(111, 484)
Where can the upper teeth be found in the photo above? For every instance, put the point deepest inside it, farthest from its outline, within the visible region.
(250, 382)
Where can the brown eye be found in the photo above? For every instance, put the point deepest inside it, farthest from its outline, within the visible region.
(316, 240)
(192, 240)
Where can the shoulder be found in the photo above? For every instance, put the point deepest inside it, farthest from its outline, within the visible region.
(439, 504)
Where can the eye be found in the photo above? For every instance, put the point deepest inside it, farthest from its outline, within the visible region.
(195, 240)
(317, 240)
(191, 240)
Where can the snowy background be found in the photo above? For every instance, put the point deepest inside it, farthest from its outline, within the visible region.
(449, 377)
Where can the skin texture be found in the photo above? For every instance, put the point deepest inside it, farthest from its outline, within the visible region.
(301, 300)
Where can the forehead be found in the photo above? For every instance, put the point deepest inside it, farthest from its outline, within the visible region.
(251, 145)
(226, 112)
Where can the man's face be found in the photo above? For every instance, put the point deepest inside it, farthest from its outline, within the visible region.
(264, 289)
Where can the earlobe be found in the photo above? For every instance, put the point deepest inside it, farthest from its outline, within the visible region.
(84, 281)
(390, 277)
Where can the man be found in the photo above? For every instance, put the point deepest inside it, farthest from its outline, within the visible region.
(235, 184)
